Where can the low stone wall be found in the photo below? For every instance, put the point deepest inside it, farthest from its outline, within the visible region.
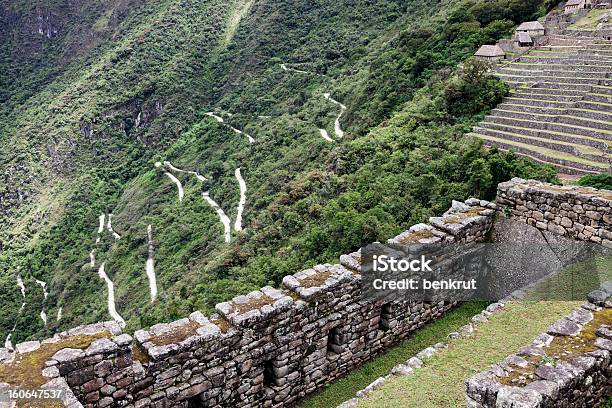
(269, 348)
(577, 212)
(568, 366)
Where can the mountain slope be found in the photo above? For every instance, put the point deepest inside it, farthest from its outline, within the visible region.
(121, 87)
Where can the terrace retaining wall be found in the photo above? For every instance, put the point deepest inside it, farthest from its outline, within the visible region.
(577, 212)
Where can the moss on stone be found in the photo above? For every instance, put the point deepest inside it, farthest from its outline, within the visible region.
(26, 369)
(175, 335)
(416, 236)
(315, 280)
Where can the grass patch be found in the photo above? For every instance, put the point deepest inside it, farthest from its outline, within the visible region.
(589, 21)
(344, 389)
(575, 282)
(440, 383)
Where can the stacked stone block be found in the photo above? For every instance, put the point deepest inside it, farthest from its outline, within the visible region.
(577, 212)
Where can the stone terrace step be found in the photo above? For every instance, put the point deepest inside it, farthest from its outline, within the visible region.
(520, 79)
(537, 66)
(585, 152)
(541, 92)
(543, 125)
(550, 135)
(601, 50)
(563, 87)
(547, 96)
(594, 105)
(579, 165)
(561, 119)
(571, 40)
(575, 61)
(562, 169)
(569, 72)
(602, 90)
(582, 112)
(593, 97)
(532, 101)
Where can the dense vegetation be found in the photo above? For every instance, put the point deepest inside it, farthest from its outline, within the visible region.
(81, 129)
(601, 181)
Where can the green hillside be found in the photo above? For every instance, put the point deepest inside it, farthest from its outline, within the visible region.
(93, 94)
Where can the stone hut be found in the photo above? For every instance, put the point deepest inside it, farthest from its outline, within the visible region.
(533, 28)
(523, 39)
(574, 5)
(491, 53)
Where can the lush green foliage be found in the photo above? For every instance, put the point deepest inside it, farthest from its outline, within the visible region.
(601, 181)
(81, 130)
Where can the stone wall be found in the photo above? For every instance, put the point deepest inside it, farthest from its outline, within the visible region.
(268, 348)
(568, 366)
(273, 347)
(577, 212)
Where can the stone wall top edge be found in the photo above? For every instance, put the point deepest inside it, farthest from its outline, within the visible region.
(586, 194)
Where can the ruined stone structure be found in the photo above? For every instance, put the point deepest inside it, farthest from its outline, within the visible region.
(568, 366)
(272, 347)
(558, 110)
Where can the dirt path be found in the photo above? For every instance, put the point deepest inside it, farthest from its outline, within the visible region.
(181, 192)
(325, 135)
(43, 314)
(7, 342)
(111, 296)
(150, 267)
(222, 216)
(337, 128)
(242, 202)
(286, 68)
(238, 131)
(176, 169)
(109, 226)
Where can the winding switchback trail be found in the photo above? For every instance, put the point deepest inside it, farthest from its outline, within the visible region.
(92, 258)
(111, 296)
(150, 267)
(7, 343)
(337, 128)
(325, 135)
(195, 173)
(43, 314)
(44, 288)
(109, 226)
(286, 68)
(240, 132)
(101, 226)
(176, 181)
(224, 218)
(242, 202)
(59, 314)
